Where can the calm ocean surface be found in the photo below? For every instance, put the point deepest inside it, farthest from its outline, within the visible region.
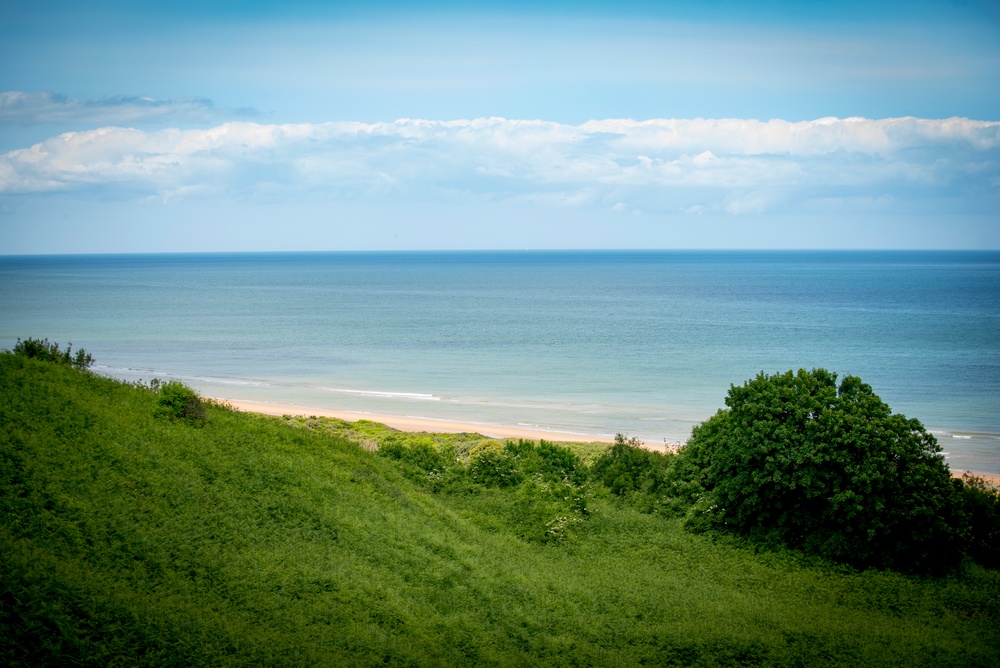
(646, 343)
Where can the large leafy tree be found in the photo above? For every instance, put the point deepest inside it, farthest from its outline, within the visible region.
(799, 460)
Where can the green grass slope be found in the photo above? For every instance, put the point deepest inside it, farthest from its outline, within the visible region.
(130, 539)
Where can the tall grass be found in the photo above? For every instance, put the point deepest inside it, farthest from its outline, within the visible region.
(131, 539)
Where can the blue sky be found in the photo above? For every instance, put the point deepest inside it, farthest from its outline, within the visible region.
(187, 126)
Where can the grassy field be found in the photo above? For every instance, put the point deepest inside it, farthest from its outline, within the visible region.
(127, 538)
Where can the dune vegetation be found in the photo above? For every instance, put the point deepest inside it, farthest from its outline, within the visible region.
(141, 525)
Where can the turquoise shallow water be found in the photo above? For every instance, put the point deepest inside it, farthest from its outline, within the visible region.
(588, 342)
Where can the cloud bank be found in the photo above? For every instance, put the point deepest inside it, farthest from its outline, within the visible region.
(695, 166)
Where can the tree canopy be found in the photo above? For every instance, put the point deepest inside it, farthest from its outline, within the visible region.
(799, 460)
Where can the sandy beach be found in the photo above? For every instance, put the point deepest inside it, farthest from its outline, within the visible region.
(407, 423)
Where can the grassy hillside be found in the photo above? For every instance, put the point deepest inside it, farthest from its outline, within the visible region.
(128, 538)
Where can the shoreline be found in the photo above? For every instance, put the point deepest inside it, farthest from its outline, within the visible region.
(416, 424)
(413, 424)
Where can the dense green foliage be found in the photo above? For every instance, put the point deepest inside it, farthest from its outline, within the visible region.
(544, 486)
(627, 468)
(41, 349)
(799, 460)
(180, 402)
(128, 539)
(982, 507)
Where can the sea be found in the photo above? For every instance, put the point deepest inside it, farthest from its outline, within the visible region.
(644, 343)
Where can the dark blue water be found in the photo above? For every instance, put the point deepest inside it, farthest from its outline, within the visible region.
(588, 342)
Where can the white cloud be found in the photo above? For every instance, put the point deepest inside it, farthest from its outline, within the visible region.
(30, 108)
(732, 165)
(825, 135)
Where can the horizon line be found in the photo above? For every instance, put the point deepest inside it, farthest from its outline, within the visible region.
(444, 251)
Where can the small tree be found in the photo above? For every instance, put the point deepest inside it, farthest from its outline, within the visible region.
(796, 459)
(179, 402)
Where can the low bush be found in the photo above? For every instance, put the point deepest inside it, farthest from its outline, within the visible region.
(640, 476)
(553, 462)
(495, 468)
(180, 402)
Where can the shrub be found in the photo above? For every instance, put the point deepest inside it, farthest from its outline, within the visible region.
(41, 349)
(420, 452)
(552, 462)
(627, 467)
(982, 504)
(422, 460)
(494, 468)
(796, 459)
(179, 402)
(560, 462)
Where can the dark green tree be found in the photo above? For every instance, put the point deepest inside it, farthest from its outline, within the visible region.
(798, 460)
